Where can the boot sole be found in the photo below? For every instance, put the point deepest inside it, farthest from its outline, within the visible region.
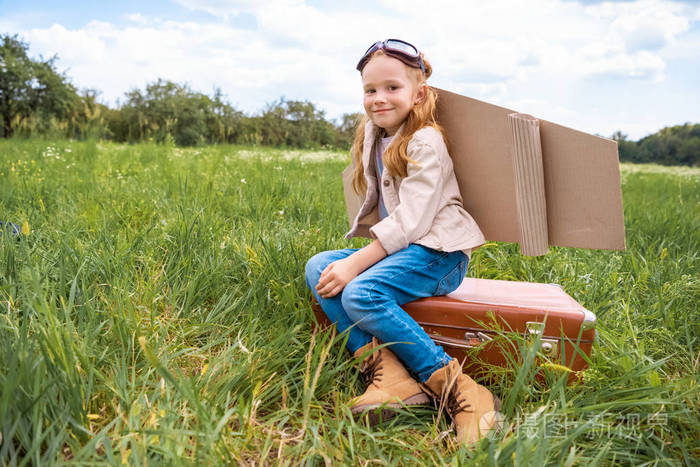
(378, 413)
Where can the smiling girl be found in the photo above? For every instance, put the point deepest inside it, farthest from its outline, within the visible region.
(421, 241)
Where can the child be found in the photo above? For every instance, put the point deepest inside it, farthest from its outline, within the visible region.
(422, 237)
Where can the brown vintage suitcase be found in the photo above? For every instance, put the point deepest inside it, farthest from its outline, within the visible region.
(489, 322)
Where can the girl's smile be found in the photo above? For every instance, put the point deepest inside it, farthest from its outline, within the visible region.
(389, 92)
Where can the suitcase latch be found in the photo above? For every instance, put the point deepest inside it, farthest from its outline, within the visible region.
(549, 347)
(476, 338)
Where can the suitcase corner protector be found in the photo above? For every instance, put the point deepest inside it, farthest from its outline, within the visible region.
(589, 320)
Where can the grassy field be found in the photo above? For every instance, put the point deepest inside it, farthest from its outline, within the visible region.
(155, 312)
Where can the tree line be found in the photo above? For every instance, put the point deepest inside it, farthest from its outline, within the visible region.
(675, 145)
(35, 99)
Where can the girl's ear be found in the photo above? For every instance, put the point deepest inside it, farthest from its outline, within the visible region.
(420, 93)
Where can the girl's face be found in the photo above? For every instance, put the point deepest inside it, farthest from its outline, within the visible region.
(390, 93)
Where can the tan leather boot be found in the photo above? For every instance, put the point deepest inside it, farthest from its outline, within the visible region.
(389, 386)
(472, 407)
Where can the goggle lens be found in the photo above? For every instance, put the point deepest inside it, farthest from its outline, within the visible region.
(401, 46)
(404, 51)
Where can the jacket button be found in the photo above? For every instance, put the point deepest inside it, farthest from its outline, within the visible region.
(386, 182)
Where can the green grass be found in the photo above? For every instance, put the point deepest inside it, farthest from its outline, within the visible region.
(157, 313)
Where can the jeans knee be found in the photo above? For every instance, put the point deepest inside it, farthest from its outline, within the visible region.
(356, 300)
(312, 271)
(315, 266)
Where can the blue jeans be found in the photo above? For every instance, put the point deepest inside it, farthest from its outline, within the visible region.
(372, 301)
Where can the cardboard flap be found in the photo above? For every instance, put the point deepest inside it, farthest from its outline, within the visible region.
(353, 201)
(581, 176)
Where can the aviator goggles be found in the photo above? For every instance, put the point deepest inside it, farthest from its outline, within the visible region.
(396, 48)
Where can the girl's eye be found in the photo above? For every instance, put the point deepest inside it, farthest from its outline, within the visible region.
(369, 91)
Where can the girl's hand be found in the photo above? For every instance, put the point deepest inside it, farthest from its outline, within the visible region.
(337, 274)
(335, 277)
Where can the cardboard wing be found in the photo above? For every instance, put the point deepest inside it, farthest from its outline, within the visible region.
(527, 180)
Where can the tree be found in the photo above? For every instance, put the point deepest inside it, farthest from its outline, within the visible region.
(675, 145)
(32, 93)
(166, 110)
(346, 130)
(629, 151)
(689, 152)
(295, 124)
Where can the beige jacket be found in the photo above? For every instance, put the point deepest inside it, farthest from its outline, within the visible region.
(425, 207)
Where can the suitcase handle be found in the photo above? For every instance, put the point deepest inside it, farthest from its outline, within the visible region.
(478, 337)
(549, 347)
(471, 340)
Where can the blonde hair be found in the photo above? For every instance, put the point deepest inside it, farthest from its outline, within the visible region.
(421, 115)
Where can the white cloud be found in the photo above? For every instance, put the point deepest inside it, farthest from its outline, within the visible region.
(645, 24)
(228, 8)
(83, 45)
(489, 50)
(220, 8)
(137, 18)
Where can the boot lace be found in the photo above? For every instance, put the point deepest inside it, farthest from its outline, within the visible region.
(452, 400)
(455, 404)
(372, 369)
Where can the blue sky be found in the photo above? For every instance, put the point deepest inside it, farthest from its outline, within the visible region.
(595, 66)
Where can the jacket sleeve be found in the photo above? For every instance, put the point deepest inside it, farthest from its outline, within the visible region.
(419, 198)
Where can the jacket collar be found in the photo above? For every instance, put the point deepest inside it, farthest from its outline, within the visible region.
(372, 131)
